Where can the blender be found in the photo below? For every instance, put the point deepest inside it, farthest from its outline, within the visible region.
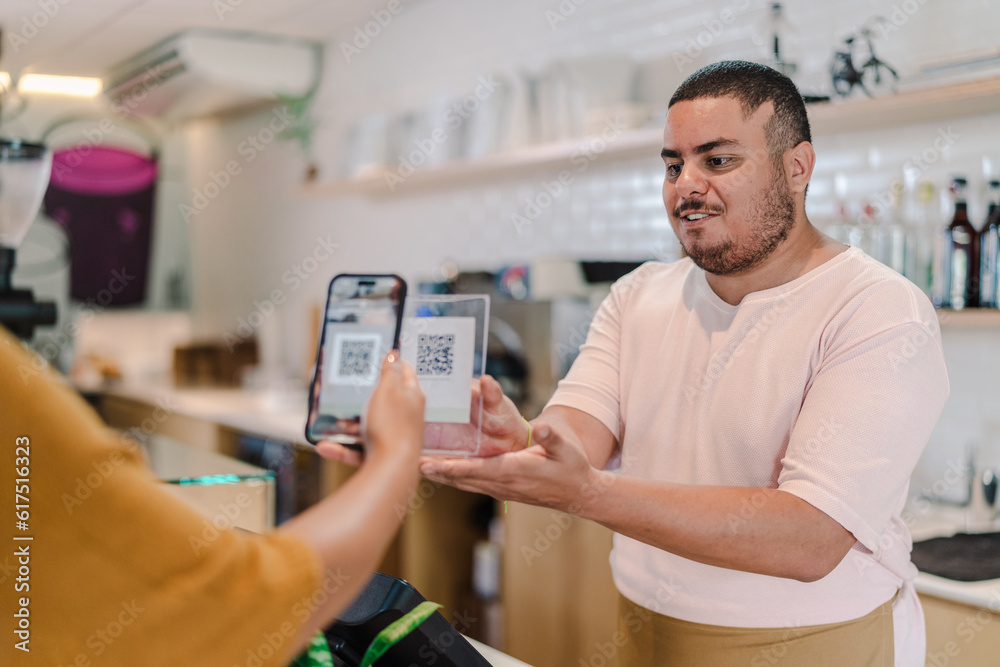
(24, 177)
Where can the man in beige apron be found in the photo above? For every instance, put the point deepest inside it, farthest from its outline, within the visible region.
(768, 396)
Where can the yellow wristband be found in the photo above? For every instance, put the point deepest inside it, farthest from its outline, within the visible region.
(526, 446)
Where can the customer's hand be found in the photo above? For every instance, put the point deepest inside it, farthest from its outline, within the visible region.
(351, 528)
(395, 422)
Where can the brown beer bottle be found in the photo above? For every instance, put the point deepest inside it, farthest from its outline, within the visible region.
(989, 252)
(963, 253)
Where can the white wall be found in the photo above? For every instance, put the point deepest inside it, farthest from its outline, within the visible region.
(971, 418)
(260, 227)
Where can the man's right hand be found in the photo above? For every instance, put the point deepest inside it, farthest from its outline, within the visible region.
(503, 428)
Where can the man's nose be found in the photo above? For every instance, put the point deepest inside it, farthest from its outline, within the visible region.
(690, 182)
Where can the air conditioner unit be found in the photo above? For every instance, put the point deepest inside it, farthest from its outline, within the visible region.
(208, 72)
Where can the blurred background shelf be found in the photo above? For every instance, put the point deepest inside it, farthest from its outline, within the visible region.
(956, 100)
(972, 318)
(575, 156)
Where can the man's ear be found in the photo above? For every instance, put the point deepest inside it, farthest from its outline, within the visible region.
(799, 164)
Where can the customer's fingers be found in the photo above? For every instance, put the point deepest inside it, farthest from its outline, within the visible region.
(334, 451)
(400, 374)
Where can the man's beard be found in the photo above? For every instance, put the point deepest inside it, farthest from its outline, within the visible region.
(773, 216)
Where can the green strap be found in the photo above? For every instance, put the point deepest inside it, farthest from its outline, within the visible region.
(393, 633)
(317, 655)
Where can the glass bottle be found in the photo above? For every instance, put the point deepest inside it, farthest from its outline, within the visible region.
(863, 233)
(912, 230)
(962, 246)
(891, 233)
(921, 229)
(989, 251)
(932, 260)
(837, 228)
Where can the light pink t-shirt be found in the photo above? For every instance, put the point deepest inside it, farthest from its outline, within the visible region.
(827, 387)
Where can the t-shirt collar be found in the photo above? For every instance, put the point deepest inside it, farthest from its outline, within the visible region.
(706, 290)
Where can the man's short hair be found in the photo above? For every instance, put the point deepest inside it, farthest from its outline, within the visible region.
(753, 85)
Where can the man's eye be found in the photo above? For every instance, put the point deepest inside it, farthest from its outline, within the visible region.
(673, 170)
(719, 161)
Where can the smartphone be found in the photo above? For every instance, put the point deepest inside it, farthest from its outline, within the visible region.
(361, 325)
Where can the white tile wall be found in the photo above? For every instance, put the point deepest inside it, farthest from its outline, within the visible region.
(257, 230)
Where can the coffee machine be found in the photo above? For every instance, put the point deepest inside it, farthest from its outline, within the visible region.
(24, 177)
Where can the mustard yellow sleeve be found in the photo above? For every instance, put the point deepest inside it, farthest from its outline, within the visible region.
(119, 571)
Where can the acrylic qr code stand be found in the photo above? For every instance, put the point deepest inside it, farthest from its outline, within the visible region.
(444, 337)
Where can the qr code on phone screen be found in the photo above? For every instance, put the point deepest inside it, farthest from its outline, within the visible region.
(435, 355)
(355, 359)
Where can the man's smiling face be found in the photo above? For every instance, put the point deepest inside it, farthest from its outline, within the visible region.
(729, 202)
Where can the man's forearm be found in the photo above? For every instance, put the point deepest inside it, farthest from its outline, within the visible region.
(759, 530)
(590, 434)
(751, 529)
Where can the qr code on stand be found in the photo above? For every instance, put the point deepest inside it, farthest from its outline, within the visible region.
(355, 359)
(435, 355)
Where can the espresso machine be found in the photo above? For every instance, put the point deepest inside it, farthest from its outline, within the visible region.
(24, 177)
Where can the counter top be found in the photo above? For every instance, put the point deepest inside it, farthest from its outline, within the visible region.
(984, 594)
(270, 414)
(495, 657)
(943, 521)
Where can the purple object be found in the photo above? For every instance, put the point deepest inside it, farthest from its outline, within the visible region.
(103, 197)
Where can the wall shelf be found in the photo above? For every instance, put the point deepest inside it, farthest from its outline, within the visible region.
(957, 100)
(971, 318)
(576, 156)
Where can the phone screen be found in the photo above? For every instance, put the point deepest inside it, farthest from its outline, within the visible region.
(360, 326)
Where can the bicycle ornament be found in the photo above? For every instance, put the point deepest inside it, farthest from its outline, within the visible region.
(874, 77)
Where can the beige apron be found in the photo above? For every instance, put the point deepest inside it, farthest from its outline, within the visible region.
(648, 639)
